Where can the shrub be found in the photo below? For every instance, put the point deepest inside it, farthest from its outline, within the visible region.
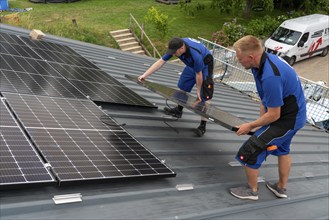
(158, 19)
(230, 32)
(264, 27)
(220, 38)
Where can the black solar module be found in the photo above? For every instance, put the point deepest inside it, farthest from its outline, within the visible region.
(100, 86)
(80, 142)
(45, 45)
(27, 65)
(10, 38)
(85, 75)
(19, 162)
(58, 53)
(204, 109)
(25, 83)
(18, 50)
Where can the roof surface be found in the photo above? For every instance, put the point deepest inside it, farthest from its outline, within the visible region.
(206, 163)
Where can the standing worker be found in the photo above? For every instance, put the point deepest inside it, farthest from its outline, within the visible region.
(199, 69)
(282, 114)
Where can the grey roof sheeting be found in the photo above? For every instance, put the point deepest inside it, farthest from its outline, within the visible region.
(203, 162)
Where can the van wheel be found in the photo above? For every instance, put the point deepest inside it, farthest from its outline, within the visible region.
(324, 52)
(292, 61)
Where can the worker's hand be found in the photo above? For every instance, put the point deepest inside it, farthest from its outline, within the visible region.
(243, 129)
(196, 102)
(141, 77)
(199, 96)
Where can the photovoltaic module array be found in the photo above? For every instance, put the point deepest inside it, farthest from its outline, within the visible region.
(58, 126)
(73, 138)
(86, 76)
(95, 83)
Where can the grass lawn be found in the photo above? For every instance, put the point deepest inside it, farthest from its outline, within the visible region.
(95, 18)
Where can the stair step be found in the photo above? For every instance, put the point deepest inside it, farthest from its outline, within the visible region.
(126, 40)
(122, 36)
(142, 52)
(132, 49)
(127, 45)
(118, 32)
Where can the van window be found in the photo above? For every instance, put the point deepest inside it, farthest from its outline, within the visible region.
(285, 35)
(326, 31)
(305, 37)
(317, 34)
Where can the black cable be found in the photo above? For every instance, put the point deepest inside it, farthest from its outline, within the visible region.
(168, 105)
(106, 117)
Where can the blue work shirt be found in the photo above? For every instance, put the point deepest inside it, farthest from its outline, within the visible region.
(278, 85)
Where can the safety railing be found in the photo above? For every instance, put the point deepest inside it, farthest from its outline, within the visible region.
(228, 70)
(143, 39)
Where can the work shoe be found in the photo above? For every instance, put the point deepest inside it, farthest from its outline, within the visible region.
(244, 192)
(280, 193)
(199, 131)
(175, 112)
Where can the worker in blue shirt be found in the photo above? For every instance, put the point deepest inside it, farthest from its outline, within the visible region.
(199, 68)
(282, 114)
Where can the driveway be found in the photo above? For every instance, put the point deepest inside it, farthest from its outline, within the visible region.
(315, 68)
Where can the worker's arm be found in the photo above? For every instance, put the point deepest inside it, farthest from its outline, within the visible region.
(157, 65)
(262, 110)
(199, 80)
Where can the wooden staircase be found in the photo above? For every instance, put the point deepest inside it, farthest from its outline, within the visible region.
(127, 41)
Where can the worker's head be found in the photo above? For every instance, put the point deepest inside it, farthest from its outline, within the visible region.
(176, 47)
(248, 51)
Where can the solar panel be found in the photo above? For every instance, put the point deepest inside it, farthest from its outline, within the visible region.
(19, 162)
(49, 46)
(100, 86)
(30, 76)
(58, 53)
(21, 82)
(10, 38)
(204, 109)
(86, 76)
(18, 50)
(27, 65)
(80, 142)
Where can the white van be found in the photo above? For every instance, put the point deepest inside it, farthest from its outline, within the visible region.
(300, 38)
